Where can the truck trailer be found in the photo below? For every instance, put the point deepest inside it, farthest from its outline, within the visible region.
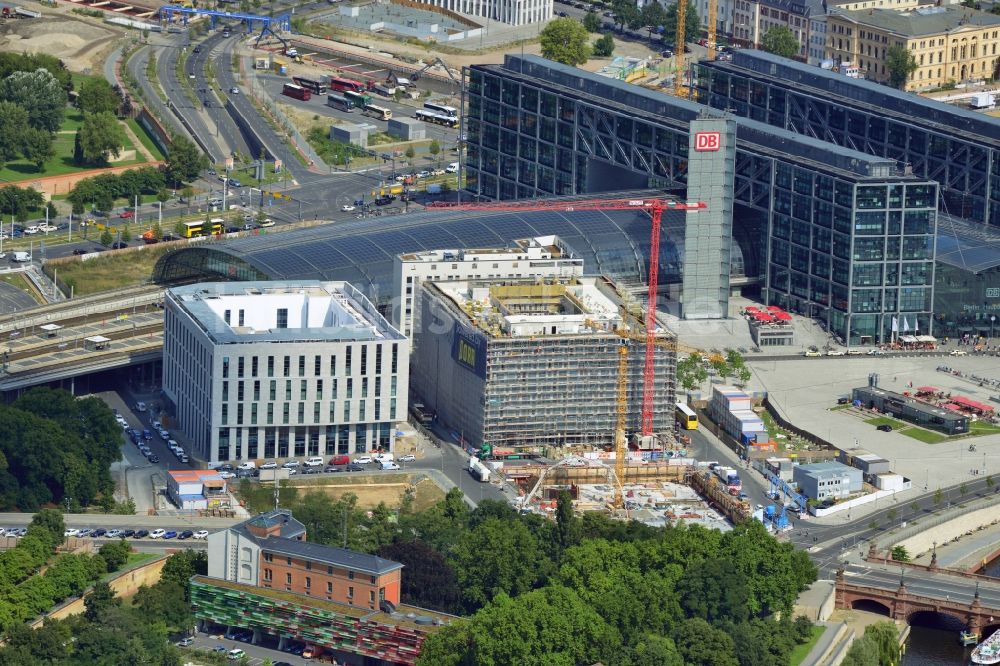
(478, 470)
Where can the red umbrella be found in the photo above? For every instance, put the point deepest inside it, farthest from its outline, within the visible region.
(782, 316)
(774, 308)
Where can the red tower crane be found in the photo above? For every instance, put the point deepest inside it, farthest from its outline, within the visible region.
(655, 207)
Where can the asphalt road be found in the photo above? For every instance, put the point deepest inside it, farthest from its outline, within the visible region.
(228, 134)
(166, 73)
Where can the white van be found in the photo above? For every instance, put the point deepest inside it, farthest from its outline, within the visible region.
(452, 168)
(21, 256)
(388, 465)
(315, 461)
(247, 465)
(385, 457)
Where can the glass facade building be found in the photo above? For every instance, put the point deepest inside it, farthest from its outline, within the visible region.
(830, 232)
(957, 147)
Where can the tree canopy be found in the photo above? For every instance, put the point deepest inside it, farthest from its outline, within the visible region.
(40, 94)
(185, 161)
(901, 64)
(101, 137)
(692, 24)
(97, 96)
(565, 40)
(780, 41)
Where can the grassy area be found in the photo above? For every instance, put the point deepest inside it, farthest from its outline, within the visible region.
(17, 280)
(136, 558)
(983, 428)
(837, 408)
(925, 436)
(800, 652)
(62, 162)
(73, 121)
(113, 270)
(145, 139)
(885, 420)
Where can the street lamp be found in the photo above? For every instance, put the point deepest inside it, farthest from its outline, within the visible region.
(993, 318)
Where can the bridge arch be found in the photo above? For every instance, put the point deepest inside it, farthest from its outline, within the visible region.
(871, 606)
(938, 619)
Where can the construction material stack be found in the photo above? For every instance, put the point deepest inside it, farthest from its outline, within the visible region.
(732, 409)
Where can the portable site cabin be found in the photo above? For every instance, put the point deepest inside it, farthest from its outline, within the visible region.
(96, 343)
(50, 330)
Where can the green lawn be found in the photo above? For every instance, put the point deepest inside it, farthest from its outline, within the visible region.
(800, 652)
(885, 420)
(925, 436)
(982, 428)
(145, 139)
(73, 120)
(62, 162)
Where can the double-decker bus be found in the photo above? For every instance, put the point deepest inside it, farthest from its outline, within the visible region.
(339, 102)
(686, 417)
(315, 87)
(378, 112)
(436, 118)
(296, 91)
(442, 109)
(344, 85)
(203, 228)
(358, 98)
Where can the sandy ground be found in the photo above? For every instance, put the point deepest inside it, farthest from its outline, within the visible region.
(370, 493)
(79, 42)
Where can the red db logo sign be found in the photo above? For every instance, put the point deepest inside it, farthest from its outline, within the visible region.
(707, 141)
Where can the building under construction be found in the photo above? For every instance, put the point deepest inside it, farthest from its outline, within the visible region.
(531, 363)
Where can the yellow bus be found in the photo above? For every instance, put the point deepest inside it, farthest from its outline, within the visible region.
(204, 228)
(686, 417)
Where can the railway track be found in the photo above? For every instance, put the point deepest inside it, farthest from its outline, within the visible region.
(66, 313)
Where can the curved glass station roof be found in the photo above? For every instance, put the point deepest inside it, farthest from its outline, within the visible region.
(363, 252)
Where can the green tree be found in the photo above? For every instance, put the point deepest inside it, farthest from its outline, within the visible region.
(604, 47)
(37, 147)
(115, 554)
(692, 24)
(714, 590)
(700, 643)
(886, 639)
(181, 566)
(963, 489)
(780, 41)
(653, 15)
(542, 627)
(938, 496)
(989, 480)
(166, 601)
(718, 362)
(185, 161)
(106, 238)
(567, 524)
(429, 581)
(100, 599)
(97, 96)
(565, 40)
(691, 371)
(13, 128)
(125, 236)
(626, 13)
(592, 21)
(435, 149)
(655, 650)
(163, 195)
(410, 153)
(496, 557)
(101, 136)
(51, 520)
(901, 64)
(863, 652)
(40, 94)
(158, 235)
(900, 554)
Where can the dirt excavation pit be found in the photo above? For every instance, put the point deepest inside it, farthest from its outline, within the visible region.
(67, 39)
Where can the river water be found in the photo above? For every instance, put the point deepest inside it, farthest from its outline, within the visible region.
(934, 647)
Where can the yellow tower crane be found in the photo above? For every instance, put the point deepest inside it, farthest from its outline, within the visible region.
(621, 442)
(680, 90)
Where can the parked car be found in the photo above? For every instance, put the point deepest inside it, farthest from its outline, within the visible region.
(156, 534)
(128, 534)
(270, 464)
(957, 352)
(141, 534)
(119, 245)
(83, 532)
(340, 460)
(884, 427)
(363, 460)
(186, 534)
(201, 534)
(127, 215)
(114, 534)
(235, 655)
(291, 464)
(184, 642)
(354, 467)
(98, 533)
(347, 208)
(70, 532)
(81, 250)
(169, 534)
(234, 90)
(409, 457)
(835, 352)
(330, 469)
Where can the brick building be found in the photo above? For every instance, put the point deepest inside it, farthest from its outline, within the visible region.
(266, 578)
(270, 551)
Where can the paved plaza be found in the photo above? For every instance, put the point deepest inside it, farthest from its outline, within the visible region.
(804, 390)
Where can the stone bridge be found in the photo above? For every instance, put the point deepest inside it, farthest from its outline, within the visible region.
(900, 604)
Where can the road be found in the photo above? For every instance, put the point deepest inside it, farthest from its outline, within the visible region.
(151, 98)
(228, 134)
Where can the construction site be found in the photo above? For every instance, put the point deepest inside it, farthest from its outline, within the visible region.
(527, 365)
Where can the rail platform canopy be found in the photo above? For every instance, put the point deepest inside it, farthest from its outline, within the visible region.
(97, 342)
(50, 330)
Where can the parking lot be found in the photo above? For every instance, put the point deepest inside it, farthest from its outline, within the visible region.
(256, 654)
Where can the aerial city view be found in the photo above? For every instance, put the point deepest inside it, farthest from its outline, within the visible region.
(501, 333)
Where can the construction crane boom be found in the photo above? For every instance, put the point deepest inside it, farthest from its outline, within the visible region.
(655, 207)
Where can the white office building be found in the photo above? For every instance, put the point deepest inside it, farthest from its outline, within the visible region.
(276, 370)
(539, 257)
(514, 12)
